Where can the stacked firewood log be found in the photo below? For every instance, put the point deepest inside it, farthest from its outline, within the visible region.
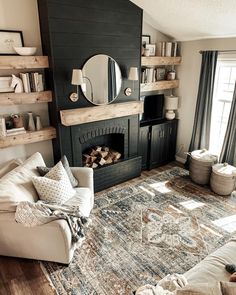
(99, 156)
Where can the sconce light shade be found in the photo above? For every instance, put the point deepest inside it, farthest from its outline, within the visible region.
(171, 102)
(133, 74)
(77, 77)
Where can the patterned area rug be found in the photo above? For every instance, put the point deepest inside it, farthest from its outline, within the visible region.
(142, 232)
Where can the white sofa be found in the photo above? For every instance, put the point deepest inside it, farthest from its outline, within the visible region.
(212, 268)
(51, 241)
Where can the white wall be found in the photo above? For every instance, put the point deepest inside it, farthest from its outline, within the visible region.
(23, 15)
(156, 36)
(188, 73)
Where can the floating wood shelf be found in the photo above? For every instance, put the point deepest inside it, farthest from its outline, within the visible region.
(99, 113)
(159, 85)
(46, 133)
(160, 60)
(12, 98)
(23, 62)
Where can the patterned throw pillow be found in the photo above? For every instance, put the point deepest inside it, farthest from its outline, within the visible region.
(55, 187)
(43, 170)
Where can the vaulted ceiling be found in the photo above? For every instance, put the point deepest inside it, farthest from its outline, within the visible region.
(191, 19)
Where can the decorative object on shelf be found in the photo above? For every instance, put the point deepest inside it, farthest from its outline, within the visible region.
(33, 82)
(3, 131)
(160, 74)
(31, 125)
(77, 79)
(152, 49)
(171, 75)
(9, 123)
(16, 131)
(17, 84)
(5, 84)
(171, 104)
(142, 50)
(17, 121)
(8, 40)
(25, 50)
(133, 76)
(167, 49)
(38, 123)
(146, 39)
(146, 52)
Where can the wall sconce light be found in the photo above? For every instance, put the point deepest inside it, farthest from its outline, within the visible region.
(133, 76)
(77, 79)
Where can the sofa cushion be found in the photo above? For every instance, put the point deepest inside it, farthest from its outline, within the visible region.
(55, 187)
(212, 268)
(219, 288)
(82, 198)
(9, 166)
(43, 170)
(200, 289)
(17, 186)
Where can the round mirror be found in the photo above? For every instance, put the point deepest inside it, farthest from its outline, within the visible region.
(102, 79)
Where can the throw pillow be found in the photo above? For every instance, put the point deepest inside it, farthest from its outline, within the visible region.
(55, 187)
(9, 166)
(16, 186)
(43, 170)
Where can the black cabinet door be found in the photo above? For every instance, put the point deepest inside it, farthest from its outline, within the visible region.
(158, 153)
(143, 147)
(171, 134)
(163, 143)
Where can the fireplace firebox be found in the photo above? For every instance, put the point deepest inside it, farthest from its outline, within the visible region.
(120, 135)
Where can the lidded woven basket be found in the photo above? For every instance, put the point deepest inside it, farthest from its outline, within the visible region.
(223, 179)
(201, 163)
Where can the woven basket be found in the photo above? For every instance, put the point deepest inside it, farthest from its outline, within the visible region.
(200, 170)
(222, 184)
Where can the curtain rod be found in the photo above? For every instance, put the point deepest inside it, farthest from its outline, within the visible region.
(220, 51)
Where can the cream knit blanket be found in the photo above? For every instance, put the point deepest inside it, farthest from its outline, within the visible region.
(35, 214)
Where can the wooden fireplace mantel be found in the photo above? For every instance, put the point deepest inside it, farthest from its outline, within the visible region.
(99, 113)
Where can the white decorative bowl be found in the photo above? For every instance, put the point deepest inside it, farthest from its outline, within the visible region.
(25, 50)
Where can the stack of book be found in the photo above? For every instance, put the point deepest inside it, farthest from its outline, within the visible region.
(150, 75)
(32, 82)
(168, 49)
(15, 131)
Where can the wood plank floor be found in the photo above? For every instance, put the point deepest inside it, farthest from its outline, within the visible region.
(25, 277)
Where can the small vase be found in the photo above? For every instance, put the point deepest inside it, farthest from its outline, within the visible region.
(31, 125)
(38, 123)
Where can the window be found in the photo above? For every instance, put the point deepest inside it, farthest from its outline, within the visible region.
(222, 99)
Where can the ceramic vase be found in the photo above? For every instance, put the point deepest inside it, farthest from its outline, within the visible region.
(38, 123)
(31, 125)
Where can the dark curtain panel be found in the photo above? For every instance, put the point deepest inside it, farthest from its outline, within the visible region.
(228, 152)
(202, 120)
(111, 79)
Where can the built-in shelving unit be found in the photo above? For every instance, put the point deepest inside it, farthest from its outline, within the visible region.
(11, 98)
(153, 61)
(46, 133)
(23, 62)
(160, 85)
(160, 60)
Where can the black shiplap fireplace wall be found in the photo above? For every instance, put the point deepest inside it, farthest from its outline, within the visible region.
(74, 30)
